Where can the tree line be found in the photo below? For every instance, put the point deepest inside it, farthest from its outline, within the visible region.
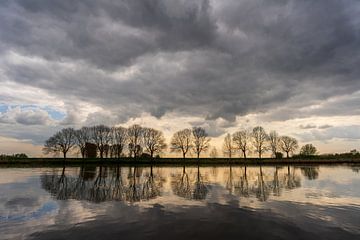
(137, 141)
(259, 142)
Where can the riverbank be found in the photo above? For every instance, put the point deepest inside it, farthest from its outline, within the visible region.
(177, 161)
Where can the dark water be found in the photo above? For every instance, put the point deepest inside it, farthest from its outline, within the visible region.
(309, 202)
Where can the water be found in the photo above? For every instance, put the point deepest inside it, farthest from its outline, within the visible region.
(229, 202)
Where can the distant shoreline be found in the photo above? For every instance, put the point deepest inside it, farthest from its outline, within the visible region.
(177, 161)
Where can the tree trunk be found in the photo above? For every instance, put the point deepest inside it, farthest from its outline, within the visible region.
(287, 154)
(260, 154)
(64, 153)
(198, 154)
(244, 152)
(184, 154)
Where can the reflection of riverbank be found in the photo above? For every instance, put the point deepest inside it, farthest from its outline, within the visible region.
(23, 162)
(135, 184)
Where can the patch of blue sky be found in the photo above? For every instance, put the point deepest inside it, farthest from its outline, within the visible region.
(3, 108)
(53, 113)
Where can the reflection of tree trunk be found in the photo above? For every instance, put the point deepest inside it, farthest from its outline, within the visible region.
(181, 187)
(118, 189)
(63, 185)
(99, 190)
(276, 186)
(262, 193)
(200, 190)
(244, 185)
(229, 184)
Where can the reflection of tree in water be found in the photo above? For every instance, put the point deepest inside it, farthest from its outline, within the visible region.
(56, 184)
(261, 184)
(310, 172)
(182, 186)
(276, 184)
(355, 168)
(106, 184)
(229, 185)
(292, 181)
(261, 188)
(151, 187)
(118, 191)
(242, 186)
(200, 190)
(99, 191)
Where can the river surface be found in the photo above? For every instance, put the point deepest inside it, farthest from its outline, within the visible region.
(228, 202)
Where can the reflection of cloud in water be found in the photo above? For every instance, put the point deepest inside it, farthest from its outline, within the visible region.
(129, 194)
(222, 222)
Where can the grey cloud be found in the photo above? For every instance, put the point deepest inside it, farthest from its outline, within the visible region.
(325, 126)
(25, 116)
(351, 132)
(215, 59)
(307, 126)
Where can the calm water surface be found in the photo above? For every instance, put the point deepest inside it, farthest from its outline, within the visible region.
(110, 202)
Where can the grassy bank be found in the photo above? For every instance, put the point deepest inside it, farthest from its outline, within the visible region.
(177, 161)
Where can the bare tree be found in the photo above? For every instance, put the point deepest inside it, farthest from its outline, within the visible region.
(200, 140)
(260, 139)
(154, 141)
(61, 142)
(274, 141)
(228, 147)
(241, 140)
(82, 136)
(288, 145)
(181, 141)
(135, 134)
(101, 137)
(118, 139)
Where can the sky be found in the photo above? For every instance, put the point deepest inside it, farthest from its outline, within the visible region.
(287, 65)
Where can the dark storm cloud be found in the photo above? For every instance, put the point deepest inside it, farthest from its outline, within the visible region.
(208, 58)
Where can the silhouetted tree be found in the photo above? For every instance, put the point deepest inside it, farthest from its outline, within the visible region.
(101, 137)
(288, 145)
(82, 136)
(274, 141)
(241, 141)
(118, 139)
(260, 140)
(154, 141)
(228, 147)
(308, 150)
(61, 142)
(200, 140)
(181, 141)
(135, 134)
